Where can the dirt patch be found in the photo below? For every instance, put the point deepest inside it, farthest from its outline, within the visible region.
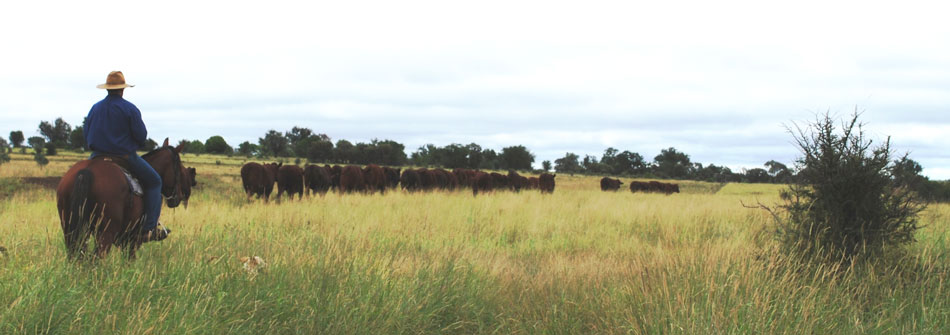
(44, 182)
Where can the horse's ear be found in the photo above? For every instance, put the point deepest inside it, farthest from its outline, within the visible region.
(179, 148)
(166, 143)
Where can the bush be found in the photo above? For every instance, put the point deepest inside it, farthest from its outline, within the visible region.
(40, 158)
(844, 201)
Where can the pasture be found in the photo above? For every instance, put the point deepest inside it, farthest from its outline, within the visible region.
(576, 261)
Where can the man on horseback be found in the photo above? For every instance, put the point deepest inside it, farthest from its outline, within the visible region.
(114, 127)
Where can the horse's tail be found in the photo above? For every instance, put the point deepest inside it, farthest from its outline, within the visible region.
(79, 217)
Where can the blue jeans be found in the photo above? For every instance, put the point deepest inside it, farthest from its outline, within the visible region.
(151, 186)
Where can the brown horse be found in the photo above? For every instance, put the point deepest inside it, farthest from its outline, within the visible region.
(94, 199)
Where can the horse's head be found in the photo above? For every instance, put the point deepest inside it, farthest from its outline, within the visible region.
(167, 162)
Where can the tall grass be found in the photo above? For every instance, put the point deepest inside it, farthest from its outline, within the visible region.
(576, 261)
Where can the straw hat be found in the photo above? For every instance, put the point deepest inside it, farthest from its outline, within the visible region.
(115, 80)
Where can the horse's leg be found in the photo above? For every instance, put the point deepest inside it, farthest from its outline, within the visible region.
(104, 242)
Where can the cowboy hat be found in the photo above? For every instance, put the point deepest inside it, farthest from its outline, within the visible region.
(115, 80)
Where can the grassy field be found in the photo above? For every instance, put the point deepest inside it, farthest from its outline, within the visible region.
(577, 261)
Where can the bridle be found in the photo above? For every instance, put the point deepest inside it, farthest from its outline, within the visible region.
(176, 167)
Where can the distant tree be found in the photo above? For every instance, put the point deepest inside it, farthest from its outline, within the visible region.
(37, 143)
(568, 164)
(779, 172)
(217, 145)
(56, 132)
(490, 160)
(77, 140)
(627, 163)
(455, 156)
(608, 158)
(389, 152)
(297, 135)
(50, 149)
(40, 158)
(344, 152)
(475, 155)
(149, 145)
(593, 166)
(274, 144)
(16, 138)
(316, 150)
(4, 151)
(906, 172)
(546, 165)
(757, 175)
(517, 158)
(248, 149)
(672, 164)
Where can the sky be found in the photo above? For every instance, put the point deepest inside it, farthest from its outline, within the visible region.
(720, 81)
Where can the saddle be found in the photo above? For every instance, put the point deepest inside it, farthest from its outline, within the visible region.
(124, 165)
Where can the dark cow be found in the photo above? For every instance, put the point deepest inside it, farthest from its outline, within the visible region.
(532, 183)
(335, 172)
(465, 177)
(428, 179)
(654, 187)
(392, 176)
(316, 179)
(546, 182)
(190, 175)
(259, 179)
(515, 181)
(610, 184)
(351, 179)
(290, 180)
(499, 180)
(375, 178)
(482, 182)
(411, 181)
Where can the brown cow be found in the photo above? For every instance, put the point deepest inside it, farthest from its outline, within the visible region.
(351, 179)
(410, 180)
(290, 180)
(316, 179)
(259, 179)
(546, 182)
(375, 178)
(610, 184)
(392, 176)
(532, 183)
(483, 182)
(515, 181)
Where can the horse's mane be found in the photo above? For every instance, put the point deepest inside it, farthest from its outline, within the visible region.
(176, 159)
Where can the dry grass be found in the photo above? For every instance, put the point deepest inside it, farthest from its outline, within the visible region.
(577, 261)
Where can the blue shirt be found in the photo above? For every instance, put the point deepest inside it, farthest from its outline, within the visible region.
(114, 126)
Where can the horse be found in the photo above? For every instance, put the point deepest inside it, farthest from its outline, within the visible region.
(95, 199)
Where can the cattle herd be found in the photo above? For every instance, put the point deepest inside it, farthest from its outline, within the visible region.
(259, 179)
(610, 184)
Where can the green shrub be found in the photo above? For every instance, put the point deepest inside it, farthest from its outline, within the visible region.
(844, 201)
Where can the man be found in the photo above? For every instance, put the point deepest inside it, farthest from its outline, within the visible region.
(114, 127)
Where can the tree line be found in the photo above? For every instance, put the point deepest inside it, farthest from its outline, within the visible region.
(304, 143)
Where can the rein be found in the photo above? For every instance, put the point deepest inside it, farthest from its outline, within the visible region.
(176, 166)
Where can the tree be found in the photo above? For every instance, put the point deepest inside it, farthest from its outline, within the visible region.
(217, 145)
(4, 151)
(274, 144)
(195, 147)
(844, 201)
(627, 163)
(757, 175)
(517, 158)
(672, 164)
(546, 165)
(316, 150)
(475, 156)
(37, 143)
(77, 139)
(779, 172)
(297, 135)
(56, 133)
(16, 138)
(343, 151)
(568, 164)
(248, 149)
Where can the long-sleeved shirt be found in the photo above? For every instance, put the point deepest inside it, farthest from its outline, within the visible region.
(114, 126)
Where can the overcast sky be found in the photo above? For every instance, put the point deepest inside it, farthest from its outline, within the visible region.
(718, 80)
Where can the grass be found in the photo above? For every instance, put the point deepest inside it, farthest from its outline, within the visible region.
(577, 261)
